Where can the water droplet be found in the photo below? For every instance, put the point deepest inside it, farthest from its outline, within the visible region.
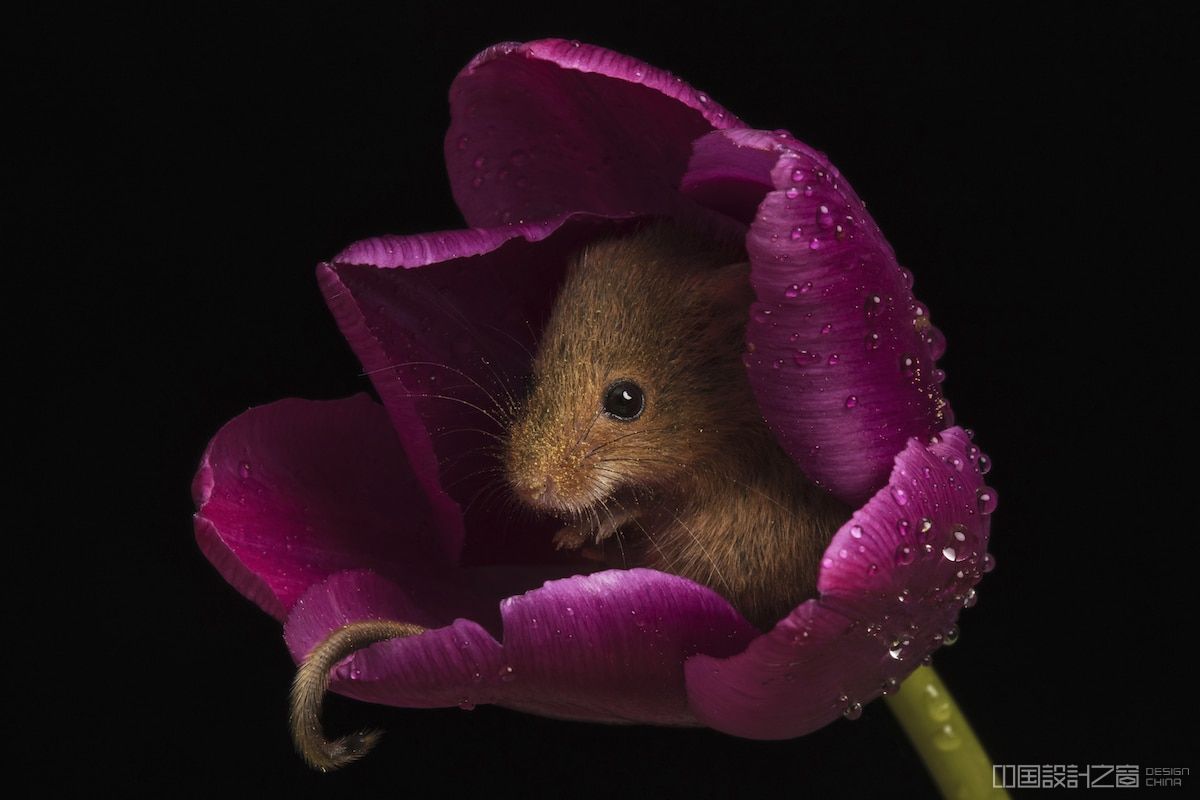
(900, 496)
(814, 244)
(792, 193)
(703, 98)
(987, 500)
(955, 462)
(853, 711)
(924, 529)
(951, 636)
(905, 555)
(856, 532)
(908, 365)
(804, 358)
(833, 359)
(872, 341)
(890, 685)
(896, 651)
(824, 218)
(902, 527)
(935, 340)
(873, 305)
(798, 175)
(507, 674)
(826, 328)
(950, 553)
(244, 469)
(989, 562)
(477, 181)
(971, 599)
(462, 142)
(906, 278)
(792, 290)
(808, 191)
(466, 705)
(939, 376)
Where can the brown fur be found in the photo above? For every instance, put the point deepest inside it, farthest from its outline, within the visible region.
(697, 485)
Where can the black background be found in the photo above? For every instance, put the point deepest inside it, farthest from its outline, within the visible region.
(182, 171)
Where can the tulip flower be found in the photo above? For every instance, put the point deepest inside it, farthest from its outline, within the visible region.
(330, 513)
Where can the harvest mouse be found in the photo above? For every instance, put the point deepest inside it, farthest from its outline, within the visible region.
(642, 432)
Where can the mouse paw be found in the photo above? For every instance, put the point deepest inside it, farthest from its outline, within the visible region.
(570, 538)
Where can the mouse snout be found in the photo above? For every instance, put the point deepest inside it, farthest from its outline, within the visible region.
(538, 493)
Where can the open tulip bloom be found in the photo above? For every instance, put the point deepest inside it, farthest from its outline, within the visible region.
(330, 513)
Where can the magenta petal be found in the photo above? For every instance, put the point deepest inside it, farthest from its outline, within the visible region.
(893, 582)
(550, 127)
(439, 668)
(606, 647)
(842, 356)
(291, 492)
(444, 324)
(611, 646)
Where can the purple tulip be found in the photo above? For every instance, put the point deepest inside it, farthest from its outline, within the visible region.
(324, 513)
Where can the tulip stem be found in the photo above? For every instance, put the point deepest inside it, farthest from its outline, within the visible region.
(942, 737)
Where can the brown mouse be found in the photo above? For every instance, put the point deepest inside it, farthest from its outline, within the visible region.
(641, 430)
(642, 433)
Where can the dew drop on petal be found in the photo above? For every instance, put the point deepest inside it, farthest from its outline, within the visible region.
(985, 464)
(951, 636)
(244, 469)
(792, 291)
(814, 244)
(507, 674)
(792, 193)
(853, 711)
(989, 562)
(987, 500)
(905, 555)
(900, 496)
(971, 599)
(851, 401)
(872, 341)
(856, 532)
(924, 529)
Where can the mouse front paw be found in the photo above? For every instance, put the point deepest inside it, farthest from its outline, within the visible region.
(571, 538)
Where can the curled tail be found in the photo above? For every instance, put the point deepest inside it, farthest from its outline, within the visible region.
(311, 682)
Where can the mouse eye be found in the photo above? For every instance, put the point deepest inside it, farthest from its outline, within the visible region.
(624, 400)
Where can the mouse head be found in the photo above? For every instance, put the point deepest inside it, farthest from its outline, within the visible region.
(638, 380)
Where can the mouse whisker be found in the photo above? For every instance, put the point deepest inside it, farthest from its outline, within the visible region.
(649, 538)
(711, 561)
(500, 407)
(467, 403)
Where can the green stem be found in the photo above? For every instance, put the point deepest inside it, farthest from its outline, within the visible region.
(940, 733)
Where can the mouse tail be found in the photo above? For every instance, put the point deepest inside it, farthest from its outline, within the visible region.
(312, 681)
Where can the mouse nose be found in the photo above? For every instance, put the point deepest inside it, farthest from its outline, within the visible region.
(539, 493)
